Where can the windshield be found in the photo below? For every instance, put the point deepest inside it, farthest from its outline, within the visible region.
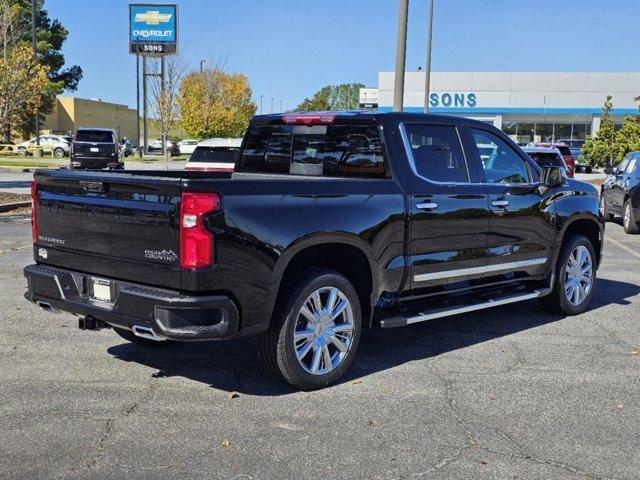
(94, 136)
(546, 158)
(214, 154)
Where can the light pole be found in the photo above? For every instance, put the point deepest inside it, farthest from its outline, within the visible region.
(281, 106)
(271, 105)
(33, 41)
(427, 70)
(261, 98)
(401, 53)
(202, 62)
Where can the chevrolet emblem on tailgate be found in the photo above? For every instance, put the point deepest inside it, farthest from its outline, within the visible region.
(93, 187)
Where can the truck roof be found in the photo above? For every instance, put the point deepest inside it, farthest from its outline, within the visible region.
(369, 116)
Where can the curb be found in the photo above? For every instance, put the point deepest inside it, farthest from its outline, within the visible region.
(7, 207)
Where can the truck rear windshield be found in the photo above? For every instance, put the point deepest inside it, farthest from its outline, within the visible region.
(319, 150)
(94, 136)
(214, 154)
(545, 159)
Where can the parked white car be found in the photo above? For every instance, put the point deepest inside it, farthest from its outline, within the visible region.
(187, 146)
(215, 155)
(59, 145)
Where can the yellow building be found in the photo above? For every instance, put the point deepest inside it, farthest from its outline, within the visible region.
(70, 113)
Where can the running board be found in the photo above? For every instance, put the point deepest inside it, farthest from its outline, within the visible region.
(446, 312)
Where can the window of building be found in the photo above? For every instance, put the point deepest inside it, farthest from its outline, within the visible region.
(437, 153)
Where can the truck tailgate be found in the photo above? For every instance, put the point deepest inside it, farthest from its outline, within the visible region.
(110, 224)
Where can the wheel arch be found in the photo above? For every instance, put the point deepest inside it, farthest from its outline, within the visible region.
(344, 253)
(587, 225)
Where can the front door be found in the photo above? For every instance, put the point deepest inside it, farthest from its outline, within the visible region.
(521, 231)
(449, 212)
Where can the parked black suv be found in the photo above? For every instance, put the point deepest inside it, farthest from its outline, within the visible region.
(333, 222)
(96, 148)
(620, 193)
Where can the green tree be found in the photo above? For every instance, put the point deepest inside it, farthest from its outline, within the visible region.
(50, 37)
(215, 104)
(628, 137)
(601, 148)
(333, 97)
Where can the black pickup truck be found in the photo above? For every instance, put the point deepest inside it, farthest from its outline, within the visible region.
(333, 222)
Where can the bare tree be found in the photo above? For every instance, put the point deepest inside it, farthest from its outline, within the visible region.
(164, 98)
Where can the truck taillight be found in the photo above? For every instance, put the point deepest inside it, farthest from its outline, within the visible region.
(34, 211)
(196, 242)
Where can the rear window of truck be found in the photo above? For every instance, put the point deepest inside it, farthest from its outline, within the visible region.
(318, 150)
(94, 136)
(214, 154)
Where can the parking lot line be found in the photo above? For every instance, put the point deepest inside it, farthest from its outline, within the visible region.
(624, 247)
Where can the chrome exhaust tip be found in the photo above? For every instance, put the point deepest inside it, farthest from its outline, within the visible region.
(145, 332)
(46, 306)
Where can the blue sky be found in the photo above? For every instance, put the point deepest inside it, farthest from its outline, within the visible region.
(291, 48)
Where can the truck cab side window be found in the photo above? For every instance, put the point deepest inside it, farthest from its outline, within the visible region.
(437, 153)
(501, 163)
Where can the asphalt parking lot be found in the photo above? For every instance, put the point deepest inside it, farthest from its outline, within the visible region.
(512, 392)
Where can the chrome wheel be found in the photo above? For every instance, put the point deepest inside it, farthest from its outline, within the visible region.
(579, 275)
(323, 333)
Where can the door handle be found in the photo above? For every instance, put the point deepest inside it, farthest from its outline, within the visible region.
(500, 203)
(427, 206)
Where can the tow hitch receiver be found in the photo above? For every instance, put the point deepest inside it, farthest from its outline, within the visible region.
(91, 323)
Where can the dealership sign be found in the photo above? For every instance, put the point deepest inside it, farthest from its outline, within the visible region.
(453, 99)
(153, 29)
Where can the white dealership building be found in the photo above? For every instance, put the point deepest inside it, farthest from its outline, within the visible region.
(538, 106)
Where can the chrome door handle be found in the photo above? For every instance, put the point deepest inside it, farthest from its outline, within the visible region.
(427, 206)
(500, 203)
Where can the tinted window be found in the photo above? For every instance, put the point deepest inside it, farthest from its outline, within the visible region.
(632, 166)
(437, 154)
(94, 136)
(214, 154)
(564, 150)
(327, 150)
(546, 158)
(502, 164)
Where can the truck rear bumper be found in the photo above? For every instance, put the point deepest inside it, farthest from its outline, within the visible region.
(170, 314)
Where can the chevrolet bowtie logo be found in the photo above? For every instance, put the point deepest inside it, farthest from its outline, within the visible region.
(152, 17)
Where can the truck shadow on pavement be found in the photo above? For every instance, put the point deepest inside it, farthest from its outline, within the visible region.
(233, 365)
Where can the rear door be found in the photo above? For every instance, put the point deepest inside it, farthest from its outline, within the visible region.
(449, 210)
(521, 235)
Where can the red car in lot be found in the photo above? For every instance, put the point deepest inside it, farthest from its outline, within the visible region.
(564, 150)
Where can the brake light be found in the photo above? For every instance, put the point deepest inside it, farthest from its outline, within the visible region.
(34, 211)
(196, 242)
(309, 119)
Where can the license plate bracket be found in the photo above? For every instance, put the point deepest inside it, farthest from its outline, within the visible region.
(101, 290)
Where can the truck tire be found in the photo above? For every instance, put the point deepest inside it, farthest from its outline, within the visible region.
(315, 330)
(575, 277)
(129, 336)
(629, 220)
(608, 217)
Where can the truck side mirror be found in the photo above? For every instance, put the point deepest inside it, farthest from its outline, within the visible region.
(551, 176)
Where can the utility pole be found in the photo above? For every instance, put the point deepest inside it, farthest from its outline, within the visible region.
(401, 53)
(261, 98)
(281, 106)
(427, 70)
(138, 102)
(271, 105)
(35, 53)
